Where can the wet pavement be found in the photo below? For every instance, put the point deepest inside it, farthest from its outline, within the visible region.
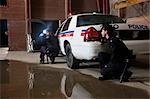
(24, 80)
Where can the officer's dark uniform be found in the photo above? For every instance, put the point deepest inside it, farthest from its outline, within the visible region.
(49, 46)
(113, 62)
(52, 48)
(43, 44)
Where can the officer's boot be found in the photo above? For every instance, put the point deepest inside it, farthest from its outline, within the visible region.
(127, 75)
(42, 59)
(52, 58)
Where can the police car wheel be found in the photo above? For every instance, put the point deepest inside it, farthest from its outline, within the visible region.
(72, 62)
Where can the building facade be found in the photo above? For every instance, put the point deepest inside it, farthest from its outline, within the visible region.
(13, 16)
(20, 20)
(135, 11)
(16, 17)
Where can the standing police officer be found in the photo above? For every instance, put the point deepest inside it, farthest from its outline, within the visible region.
(113, 61)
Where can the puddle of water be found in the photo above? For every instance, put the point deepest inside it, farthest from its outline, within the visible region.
(22, 80)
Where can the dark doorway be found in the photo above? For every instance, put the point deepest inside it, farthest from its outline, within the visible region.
(37, 28)
(3, 33)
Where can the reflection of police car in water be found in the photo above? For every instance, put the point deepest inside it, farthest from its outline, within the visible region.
(79, 36)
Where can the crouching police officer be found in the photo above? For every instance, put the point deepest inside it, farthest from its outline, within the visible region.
(112, 62)
(49, 46)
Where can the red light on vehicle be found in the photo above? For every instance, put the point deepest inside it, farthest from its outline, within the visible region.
(91, 34)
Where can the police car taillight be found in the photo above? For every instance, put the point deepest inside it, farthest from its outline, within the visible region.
(91, 34)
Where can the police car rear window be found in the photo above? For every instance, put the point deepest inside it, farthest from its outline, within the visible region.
(85, 20)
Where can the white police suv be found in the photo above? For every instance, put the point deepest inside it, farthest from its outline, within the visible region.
(79, 36)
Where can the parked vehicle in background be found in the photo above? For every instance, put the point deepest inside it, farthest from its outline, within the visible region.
(79, 36)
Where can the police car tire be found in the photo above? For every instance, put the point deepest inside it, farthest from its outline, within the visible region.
(72, 62)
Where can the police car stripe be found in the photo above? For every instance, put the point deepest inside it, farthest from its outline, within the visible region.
(83, 32)
(66, 34)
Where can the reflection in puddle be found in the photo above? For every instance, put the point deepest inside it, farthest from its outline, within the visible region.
(4, 78)
(22, 80)
(14, 77)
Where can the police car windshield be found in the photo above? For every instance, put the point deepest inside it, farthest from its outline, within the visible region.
(85, 20)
